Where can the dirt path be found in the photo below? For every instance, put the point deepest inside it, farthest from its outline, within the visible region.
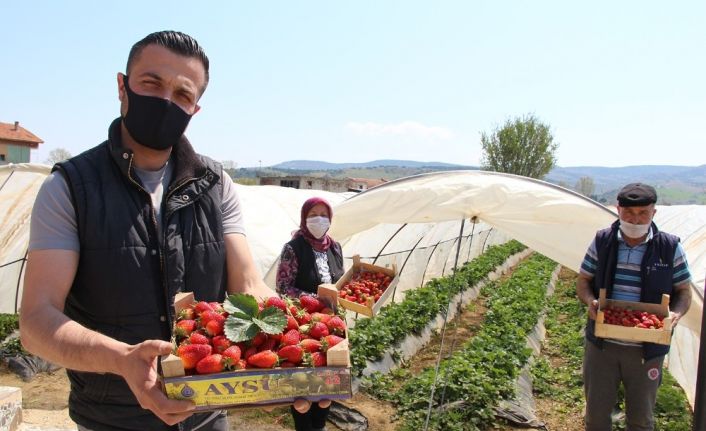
(44, 399)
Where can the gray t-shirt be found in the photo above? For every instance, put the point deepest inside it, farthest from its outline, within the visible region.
(53, 223)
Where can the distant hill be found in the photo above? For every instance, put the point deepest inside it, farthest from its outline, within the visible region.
(610, 178)
(675, 184)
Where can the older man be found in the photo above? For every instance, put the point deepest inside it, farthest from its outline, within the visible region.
(633, 261)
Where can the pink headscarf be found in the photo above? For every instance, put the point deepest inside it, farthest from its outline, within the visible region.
(319, 244)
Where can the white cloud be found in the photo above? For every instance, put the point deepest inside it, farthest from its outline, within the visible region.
(406, 128)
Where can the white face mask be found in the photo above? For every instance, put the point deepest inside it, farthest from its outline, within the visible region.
(634, 230)
(318, 226)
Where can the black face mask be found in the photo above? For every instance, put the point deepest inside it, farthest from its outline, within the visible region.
(152, 121)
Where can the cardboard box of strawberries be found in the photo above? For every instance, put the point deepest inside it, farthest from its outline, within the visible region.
(242, 352)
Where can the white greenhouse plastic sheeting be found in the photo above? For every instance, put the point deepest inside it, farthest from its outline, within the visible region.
(19, 184)
(413, 223)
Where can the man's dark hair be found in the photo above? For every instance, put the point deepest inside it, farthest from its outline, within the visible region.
(175, 41)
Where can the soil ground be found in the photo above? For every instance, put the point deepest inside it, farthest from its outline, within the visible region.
(45, 397)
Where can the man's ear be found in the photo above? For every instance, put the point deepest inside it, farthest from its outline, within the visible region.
(121, 86)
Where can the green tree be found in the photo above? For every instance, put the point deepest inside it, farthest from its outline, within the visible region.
(523, 146)
(585, 186)
(58, 155)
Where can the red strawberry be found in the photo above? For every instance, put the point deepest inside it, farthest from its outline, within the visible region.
(269, 344)
(276, 301)
(264, 359)
(202, 306)
(220, 343)
(311, 345)
(214, 327)
(260, 338)
(311, 303)
(187, 314)
(191, 354)
(291, 337)
(292, 354)
(318, 330)
(240, 365)
(210, 315)
(316, 359)
(291, 323)
(185, 327)
(303, 317)
(329, 341)
(232, 355)
(320, 317)
(198, 338)
(210, 364)
(336, 325)
(217, 307)
(249, 352)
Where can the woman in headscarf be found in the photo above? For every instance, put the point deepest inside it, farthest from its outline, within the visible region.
(311, 258)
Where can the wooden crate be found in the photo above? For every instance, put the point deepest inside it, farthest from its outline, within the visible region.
(256, 387)
(625, 333)
(371, 307)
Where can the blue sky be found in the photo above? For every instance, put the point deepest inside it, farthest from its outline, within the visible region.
(620, 83)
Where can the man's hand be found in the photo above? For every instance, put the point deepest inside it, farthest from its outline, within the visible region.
(675, 316)
(139, 369)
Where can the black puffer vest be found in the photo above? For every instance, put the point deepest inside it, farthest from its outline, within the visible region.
(656, 272)
(127, 276)
(308, 278)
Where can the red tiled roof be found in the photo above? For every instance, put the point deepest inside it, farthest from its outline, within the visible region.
(370, 182)
(17, 133)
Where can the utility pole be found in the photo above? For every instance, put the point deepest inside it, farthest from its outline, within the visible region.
(699, 408)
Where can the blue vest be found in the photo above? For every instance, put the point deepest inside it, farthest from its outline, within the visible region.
(127, 276)
(657, 269)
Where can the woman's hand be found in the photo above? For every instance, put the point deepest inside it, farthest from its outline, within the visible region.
(302, 406)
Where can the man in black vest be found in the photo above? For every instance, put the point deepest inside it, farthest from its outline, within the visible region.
(118, 230)
(633, 261)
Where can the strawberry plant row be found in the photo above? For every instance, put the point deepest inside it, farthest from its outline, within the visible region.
(371, 338)
(482, 373)
(8, 323)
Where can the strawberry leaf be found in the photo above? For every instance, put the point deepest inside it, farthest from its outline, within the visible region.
(237, 329)
(271, 320)
(241, 305)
